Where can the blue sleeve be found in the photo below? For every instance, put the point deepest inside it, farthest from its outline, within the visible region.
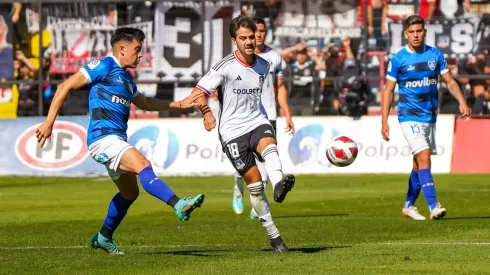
(96, 70)
(393, 69)
(442, 63)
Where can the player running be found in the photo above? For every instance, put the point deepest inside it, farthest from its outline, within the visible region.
(415, 69)
(244, 131)
(111, 93)
(273, 82)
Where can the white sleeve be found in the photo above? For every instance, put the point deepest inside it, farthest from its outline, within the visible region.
(210, 82)
(278, 67)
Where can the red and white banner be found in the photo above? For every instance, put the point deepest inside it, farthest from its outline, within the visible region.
(76, 41)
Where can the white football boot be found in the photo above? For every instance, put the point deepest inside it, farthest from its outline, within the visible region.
(413, 213)
(438, 212)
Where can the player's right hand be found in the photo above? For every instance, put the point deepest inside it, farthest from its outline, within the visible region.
(385, 131)
(209, 121)
(43, 133)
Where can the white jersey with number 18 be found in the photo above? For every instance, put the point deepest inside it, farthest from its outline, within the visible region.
(239, 88)
(275, 71)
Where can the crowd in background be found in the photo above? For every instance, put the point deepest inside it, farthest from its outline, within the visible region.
(323, 77)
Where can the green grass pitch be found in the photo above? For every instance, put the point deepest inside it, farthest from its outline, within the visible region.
(333, 225)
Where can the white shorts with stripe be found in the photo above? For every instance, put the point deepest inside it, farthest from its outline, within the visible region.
(108, 151)
(420, 136)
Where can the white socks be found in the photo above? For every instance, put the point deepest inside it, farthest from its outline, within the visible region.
(263, 173)
(273, 164)
(261, 206)
(238, 189)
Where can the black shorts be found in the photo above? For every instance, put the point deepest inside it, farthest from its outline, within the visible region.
(242, 151)
(274, 126)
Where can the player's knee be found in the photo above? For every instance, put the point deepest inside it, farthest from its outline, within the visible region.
(131, 195)
(255, 189)
(143, 163)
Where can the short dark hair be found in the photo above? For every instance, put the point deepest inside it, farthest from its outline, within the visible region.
(413, 20)
(127, 34)
(241, 21)
(259, 20)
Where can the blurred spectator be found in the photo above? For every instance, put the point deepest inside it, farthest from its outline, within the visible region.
(479, 86)
(18, 24)
(447, 103)
(430, 9)
(376, 19)
(302, 71)
(6, 52)
(28, 92)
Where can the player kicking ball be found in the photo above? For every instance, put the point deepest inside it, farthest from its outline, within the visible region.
(111, 93)
(416, 69)
(272, 82)
(244, 131)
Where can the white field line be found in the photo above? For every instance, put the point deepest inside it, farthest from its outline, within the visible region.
(224, 245)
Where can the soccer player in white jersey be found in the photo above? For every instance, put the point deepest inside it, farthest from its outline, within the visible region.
(111, 93)
(245, 132)
(416, 69)
(274, 82)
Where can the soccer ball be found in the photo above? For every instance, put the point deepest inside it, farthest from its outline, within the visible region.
(341, 151)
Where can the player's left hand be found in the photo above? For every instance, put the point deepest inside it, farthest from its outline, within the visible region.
(43, 133)
(465, 110)
(209, 121)
(189, 101)
(289, 127)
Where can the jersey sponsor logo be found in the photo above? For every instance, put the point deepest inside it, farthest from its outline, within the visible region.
(158, 144)
(432, 65)
(308, 145)
(120, 100)
(261, 80)
(93, 64)
(239, 164)
(410, 68)
(255, 91)
(421, 83)
(67, 148)
(238, 78)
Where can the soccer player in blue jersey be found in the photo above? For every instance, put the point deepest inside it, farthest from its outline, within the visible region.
(111, 93)
(416, 69)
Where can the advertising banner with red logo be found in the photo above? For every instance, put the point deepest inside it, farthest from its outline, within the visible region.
(66, 154)
(182, 147)
(471, 150)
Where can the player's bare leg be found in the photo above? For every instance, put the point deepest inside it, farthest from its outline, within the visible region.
(409, 209)
(281, 184)
(133, 161)
(423, 162)
(261, 205)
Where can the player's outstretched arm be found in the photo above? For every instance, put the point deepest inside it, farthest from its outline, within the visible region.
(385, 108)
(153, 104)
(455, 91)
(74, 82)
(209, 120)
(282, 99)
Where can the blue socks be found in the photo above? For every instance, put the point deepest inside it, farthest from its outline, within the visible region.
(427, 184)
(156, 187)
(413, 189)
(117, 210)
